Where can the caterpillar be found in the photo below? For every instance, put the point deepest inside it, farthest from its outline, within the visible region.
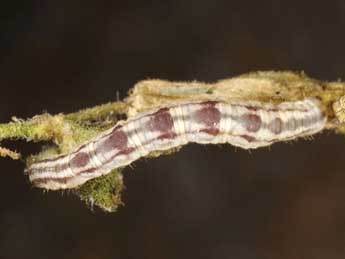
(245, 124)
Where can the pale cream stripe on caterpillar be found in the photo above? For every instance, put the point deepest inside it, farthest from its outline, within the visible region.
(246, 124)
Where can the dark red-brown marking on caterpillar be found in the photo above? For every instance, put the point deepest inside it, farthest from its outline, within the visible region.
(211, 131)
(80, 160)
(210, 103)
(276, 126)
(251, 108)
(251, 122)
(53, 159)
(87, 171)
(125, 151)
(168, 135)
(116, 140)
(53, 168)
(161, 121)
(248, 138)
(255, 108)
(208, 115)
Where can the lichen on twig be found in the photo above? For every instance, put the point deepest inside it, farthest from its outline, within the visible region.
(66, 131)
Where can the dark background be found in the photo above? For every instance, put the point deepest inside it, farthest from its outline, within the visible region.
(287, 201)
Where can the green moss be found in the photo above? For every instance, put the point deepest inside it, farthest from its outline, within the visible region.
(157, 153)
(104, 191)
(98, 113)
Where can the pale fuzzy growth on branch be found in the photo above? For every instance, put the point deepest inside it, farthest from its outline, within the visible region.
(267, 87)
(69, 131)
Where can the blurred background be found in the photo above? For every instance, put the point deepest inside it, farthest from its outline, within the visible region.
(287, 201)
